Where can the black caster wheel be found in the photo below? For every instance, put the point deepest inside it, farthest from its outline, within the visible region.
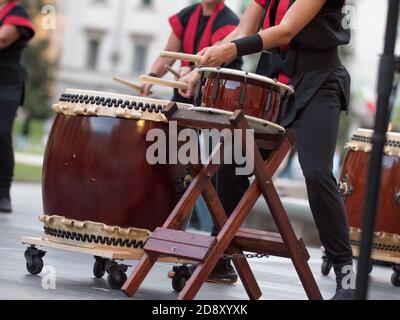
(326, 266)
(181, 275)
(396, 277)
(99, 267)
(34, 260)
(116, 275)
(34, 266)
(178, 283)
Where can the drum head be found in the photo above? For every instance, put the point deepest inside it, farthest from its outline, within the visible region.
(258, 125)
(243, 74)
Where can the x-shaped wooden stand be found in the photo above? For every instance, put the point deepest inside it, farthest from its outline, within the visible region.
(207, 250)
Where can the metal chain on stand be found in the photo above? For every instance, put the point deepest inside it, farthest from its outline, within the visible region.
(226, 256)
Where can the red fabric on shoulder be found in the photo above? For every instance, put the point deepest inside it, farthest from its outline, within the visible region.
(176, 26)
(19, 22)
(205, 40)
(7, 9)
(221, 33)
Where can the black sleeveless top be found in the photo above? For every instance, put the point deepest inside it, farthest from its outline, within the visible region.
(321, 37)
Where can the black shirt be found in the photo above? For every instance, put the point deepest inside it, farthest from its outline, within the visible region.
(326, 32)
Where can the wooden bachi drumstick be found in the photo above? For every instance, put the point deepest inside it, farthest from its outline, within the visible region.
(163, 82)
(128, 84)
(173, 71)
(181, 56)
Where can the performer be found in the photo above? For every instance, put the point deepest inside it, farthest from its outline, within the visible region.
(303, 37)
(194, 28)
(16, 30)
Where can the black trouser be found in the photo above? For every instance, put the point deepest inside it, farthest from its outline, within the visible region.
(316, 129)
(8, 111)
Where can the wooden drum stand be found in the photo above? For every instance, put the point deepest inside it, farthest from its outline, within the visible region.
(207, 250)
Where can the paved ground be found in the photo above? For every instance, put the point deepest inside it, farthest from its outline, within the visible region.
(74, 279)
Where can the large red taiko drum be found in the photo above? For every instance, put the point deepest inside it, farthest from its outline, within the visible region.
(98, 187)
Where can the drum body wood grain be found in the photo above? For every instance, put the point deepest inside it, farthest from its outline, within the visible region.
(353, 183)
(95, 169)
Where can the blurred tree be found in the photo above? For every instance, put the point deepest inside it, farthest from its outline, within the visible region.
(39, 68)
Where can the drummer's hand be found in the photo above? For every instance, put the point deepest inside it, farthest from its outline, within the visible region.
(183, 71)
(216, 56)
(146, 90)
(191, 79)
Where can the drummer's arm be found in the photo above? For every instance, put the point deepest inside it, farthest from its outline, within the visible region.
(158, 69)
(174, 44)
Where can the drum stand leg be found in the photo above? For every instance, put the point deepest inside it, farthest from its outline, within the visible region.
(174, 221)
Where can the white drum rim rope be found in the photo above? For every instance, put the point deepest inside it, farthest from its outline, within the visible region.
(254, 123)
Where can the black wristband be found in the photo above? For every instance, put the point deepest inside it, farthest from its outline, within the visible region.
(152, 74)
(249, 45)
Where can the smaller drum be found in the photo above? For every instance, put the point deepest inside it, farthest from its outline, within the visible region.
(230, 90)
(353, 183)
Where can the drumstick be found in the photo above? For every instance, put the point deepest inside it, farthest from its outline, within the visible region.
(174, 72)
(163, 82)
(181, 56)
(128, 84)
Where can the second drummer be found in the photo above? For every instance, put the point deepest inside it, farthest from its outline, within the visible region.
(194, 28)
